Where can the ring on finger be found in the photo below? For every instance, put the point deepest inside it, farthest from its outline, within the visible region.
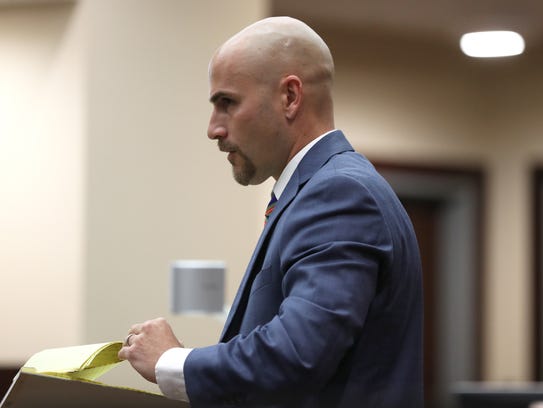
(127, 339)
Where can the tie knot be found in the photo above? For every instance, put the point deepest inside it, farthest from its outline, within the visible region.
(270, 207)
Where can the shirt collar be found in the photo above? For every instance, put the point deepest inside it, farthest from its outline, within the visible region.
(288, 171)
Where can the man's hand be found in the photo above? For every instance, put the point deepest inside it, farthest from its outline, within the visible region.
(145, 343)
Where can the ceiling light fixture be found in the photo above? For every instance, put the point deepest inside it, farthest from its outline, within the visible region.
(491, 44)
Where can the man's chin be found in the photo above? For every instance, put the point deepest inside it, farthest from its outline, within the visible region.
(241, 178)
(246, 181)
(247, 175)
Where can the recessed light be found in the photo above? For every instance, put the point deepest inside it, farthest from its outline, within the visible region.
(491, 44)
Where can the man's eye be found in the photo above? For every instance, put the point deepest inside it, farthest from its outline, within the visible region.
(226, 102)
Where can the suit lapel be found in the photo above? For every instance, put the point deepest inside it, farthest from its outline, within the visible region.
(255, 264)
(235, 310)
(312, 161)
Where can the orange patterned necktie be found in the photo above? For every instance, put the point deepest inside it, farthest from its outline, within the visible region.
(270, 208)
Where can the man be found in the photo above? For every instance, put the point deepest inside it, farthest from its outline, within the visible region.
(329, 312)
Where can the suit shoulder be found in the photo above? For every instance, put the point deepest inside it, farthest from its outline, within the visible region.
(351, 167)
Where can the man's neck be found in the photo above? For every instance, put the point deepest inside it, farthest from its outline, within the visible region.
(291, 166)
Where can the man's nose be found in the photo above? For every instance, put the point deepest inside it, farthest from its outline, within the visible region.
(215, 130)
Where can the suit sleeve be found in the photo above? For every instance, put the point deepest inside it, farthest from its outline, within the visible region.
(331, 241)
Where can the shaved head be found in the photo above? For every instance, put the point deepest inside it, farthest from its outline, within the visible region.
(279, 46)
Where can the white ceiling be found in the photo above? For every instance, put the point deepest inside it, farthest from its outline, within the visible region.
(439, 18)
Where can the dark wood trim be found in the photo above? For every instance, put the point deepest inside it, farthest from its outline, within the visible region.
(476, 176)
(6, 378)
(537, 185)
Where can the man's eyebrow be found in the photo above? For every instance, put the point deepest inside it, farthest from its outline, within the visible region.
(217, 95)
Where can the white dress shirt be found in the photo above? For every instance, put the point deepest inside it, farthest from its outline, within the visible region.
(169, 368)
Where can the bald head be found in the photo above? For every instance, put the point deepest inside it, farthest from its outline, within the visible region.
(272, 49)
(279, 46)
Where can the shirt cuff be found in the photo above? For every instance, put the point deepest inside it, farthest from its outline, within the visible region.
(169, 373)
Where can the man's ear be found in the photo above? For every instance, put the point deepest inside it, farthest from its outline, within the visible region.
(291, 87)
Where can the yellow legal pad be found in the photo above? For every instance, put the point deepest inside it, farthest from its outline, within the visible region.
(66, 378)
(86, 362)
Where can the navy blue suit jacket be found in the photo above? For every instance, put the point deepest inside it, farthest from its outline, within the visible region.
(329, 312)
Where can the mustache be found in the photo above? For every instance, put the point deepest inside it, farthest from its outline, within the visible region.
(226, 146)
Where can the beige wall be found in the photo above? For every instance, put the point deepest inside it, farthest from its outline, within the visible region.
(41, 169)
(106, 174)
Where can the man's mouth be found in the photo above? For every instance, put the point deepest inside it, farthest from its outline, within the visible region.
(225, 147)
(228, 149)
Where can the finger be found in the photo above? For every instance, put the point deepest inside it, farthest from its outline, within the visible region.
(127, 340)
(123, 353)
(136, 328)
